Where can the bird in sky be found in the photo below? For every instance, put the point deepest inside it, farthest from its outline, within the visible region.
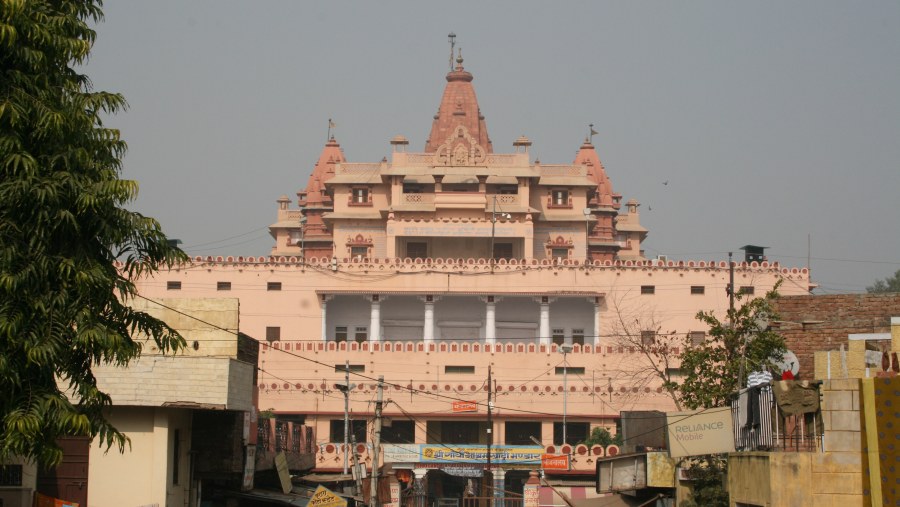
(666, 182)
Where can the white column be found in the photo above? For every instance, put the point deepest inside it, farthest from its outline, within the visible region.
(375, 320)
(428, 331)
(490, 321)
(545, 323)
(597, 322)
(324, 319)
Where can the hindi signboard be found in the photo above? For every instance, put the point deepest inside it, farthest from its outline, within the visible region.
(554, 461)
(501, 454)
(324, 497)
(709, 431)
(464, 406)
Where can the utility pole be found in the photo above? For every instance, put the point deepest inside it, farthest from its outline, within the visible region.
(565, 348)
(376, 444)
(488, 474)
(345, 388)
(730, 288)
(356, 471)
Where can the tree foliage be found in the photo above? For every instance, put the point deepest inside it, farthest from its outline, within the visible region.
(63, 297)
(712, 370)
(601, 436)
(889, 284)
(707, 482)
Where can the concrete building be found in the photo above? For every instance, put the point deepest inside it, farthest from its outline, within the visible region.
(189, 417)
(846, 454)
(438, 268)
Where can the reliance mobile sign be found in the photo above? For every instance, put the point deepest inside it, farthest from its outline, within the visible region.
(709, 431)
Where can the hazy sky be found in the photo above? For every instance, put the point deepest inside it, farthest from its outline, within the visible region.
(771, 121)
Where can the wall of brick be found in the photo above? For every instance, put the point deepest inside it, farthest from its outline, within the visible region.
(153, 381)
(814, 323)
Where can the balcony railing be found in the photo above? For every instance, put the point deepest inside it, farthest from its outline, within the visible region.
(760, 425)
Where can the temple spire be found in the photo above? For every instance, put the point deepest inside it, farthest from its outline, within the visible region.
(459, 107)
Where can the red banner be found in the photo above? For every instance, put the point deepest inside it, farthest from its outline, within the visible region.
(465, 406)
(554, 461)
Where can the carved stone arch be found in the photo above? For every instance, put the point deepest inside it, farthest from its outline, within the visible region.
(460, 149)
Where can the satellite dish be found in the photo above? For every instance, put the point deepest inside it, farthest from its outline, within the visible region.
(789, 362)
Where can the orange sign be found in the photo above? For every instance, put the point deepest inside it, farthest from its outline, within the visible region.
(48, 501)
(554, 461)
(465, 406)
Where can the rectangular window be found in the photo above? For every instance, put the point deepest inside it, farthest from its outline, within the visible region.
(357, 430)
(698, 290)
(508, 190)
(747, 290)
(520, 433)
(560, 198)
(361, 334)
(273, 333)
(359, 252)
(223, 285)
(412, 188)
(648, 289)
(417, 250)
(503, 251)
(10, 475)
(459, 369)
(354, 368)
(675, 373)
(399, 432)
(559, 253)
(559, 336)
(578, 337)
(570, 370)
(697, 338)
(648, 337)
(360, 196)
(575, 432)
(173, 285)
(456, 432)
(273, 285)
(340, 333)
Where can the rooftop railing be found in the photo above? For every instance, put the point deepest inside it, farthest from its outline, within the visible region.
(760, 424)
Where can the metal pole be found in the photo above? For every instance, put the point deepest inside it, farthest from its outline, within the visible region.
(488, 475)
(356, 474)
(565, 351)
(493, 228)
(376, 444)
(346, 412)
(730, 288)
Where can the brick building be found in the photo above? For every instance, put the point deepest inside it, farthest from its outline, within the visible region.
(817, 323)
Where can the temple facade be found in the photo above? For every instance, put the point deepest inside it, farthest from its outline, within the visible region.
(443, 268)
